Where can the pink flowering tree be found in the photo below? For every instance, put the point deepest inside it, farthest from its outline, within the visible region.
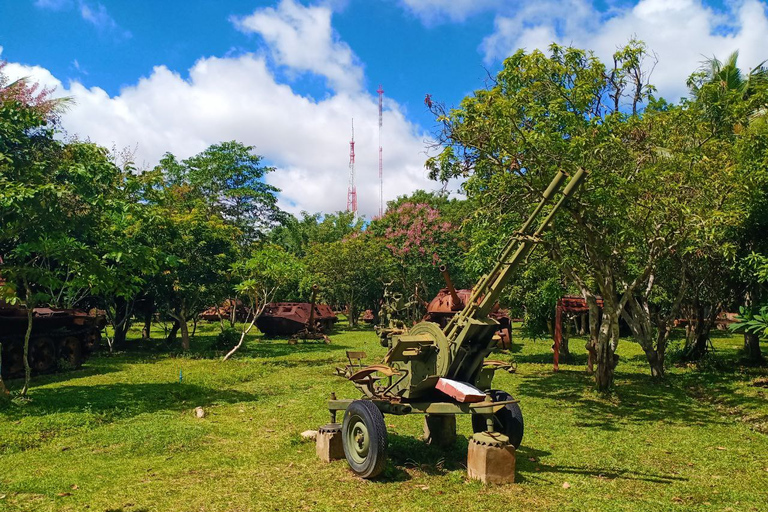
(421, 237)
(30, 94)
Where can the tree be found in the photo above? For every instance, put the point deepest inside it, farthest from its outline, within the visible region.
(229, 178)
(297, 235)
(261, 277)
(421, 236)
(41, 201)
(210, 208)
(642, 202)
(735, 104)
(351, 272)
(198, 249)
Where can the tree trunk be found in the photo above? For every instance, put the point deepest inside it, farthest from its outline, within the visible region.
(146, 332)
(232, 312)
(27, 335)
(3, 389)
(185, 335)
(752, 347)
(121, 333)
(594, 330)
(184, 332)
(565, 353)
(174, 329)
(606, 347)
(697, 343)
(352, 314)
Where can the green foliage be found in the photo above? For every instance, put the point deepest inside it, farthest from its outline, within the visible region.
(297, 235)
(228, 178)
(267, 271)
(752, 321)
(226, 339)
(351, 272)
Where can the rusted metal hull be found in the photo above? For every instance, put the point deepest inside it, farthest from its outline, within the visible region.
(443, 307)
(575, 305)
(60, 339)
(224, 311)
(288, 318)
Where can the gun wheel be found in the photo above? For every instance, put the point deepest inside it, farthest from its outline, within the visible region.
(508, 421)
(364, 437)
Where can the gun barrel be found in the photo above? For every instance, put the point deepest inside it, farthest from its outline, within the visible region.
(456, 302)
(490, 285)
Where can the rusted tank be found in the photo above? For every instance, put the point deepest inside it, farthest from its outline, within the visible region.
(450, 301)
(368, 316)
(214, 313)
(60, 339)
(291, 318)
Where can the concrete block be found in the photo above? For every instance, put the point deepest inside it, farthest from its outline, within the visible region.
(491, 459)
(328, 445)
(440, 430)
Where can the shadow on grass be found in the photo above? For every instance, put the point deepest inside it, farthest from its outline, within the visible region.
(274, 348)
(735, 389)
(406, 452)
(528, 467)
(636, 398)
(121, 400)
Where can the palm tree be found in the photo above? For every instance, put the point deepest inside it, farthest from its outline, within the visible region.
(728, 77)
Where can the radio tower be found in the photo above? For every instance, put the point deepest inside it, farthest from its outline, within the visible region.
(381, 167)
(352, 190)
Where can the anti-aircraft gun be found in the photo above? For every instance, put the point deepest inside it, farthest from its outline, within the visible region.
(441, 372)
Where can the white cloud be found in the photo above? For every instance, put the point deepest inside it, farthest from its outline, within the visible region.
(97, 15)
(54, 5)
(681, 32)
(431, 12)
(303, 39)
(239, 98)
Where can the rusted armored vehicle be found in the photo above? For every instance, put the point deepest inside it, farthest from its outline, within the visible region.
(293, 318)
(367, 316)
(61, 338)
(225, 311)
(450, 301)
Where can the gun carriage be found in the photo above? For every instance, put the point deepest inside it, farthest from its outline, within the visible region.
(442, 372)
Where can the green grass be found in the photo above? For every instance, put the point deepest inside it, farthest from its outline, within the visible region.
(120, 434)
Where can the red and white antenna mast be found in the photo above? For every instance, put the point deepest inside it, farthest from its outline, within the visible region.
(352, 190)
(381, 166)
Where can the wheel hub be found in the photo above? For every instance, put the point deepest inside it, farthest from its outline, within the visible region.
(359, 441)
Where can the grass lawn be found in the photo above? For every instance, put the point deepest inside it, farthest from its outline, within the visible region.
(120, 435)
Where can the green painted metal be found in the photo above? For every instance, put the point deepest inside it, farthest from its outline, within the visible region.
(458, 351)
(400, 409)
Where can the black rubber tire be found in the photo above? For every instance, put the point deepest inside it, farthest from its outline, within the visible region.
(364, 436)
(508, 421)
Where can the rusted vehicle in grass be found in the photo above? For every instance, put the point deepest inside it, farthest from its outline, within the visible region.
(60, 339)
(296, 318)
(226, 311)
(450, 301)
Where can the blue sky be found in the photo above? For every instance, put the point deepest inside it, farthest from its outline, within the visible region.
(287, 76)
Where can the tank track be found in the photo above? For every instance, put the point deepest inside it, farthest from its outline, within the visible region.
(48, 350)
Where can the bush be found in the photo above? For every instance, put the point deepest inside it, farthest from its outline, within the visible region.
(227, 339)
